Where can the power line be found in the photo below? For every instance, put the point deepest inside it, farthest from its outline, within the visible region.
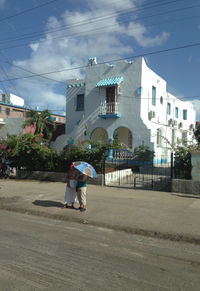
(100, 30)
(93, 20)
(28, 10)
(5, 73)
(108, 61)
(25, 70)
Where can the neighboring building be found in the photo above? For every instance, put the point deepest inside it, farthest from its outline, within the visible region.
(13, 114)
(128, 100)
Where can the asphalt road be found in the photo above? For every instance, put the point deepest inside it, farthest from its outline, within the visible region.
(38, 253)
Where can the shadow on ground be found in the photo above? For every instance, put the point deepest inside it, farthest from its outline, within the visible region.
(47, 203)
(187, 196)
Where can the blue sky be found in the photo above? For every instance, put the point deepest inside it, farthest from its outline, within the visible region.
(42, 36)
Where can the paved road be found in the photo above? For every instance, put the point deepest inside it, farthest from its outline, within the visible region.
(39, 253)
(150, 213)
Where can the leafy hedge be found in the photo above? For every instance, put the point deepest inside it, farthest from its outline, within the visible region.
(182, 162)
(32, 152)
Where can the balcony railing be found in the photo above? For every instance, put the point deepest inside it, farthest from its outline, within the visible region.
(109, 108)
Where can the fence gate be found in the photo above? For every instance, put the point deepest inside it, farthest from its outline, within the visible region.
(123, 170)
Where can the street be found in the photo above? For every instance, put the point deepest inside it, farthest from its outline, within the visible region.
(38, 253)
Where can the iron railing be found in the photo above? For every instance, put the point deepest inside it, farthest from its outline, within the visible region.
(109, 108)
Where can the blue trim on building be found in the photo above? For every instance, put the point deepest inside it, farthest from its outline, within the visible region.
(160, 161)
(82, 84)
(109, 82)
(27, 108)
(109, 116)
(12, 105)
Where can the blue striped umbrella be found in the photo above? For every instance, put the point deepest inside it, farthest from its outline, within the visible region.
(85, 168)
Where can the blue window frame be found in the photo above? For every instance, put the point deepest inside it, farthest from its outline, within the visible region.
(168, 108)
(184, 114)
(153, 95)
(176, 112)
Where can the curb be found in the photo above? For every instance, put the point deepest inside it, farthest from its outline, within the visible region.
(143, 232)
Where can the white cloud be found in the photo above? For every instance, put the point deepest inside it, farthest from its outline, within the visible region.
(139, 33)
(196, 104)
(34, 46)
(71, 47)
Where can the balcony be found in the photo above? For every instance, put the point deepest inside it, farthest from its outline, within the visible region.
(109, 110)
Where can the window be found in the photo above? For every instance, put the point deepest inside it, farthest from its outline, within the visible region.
(168, 108)
(173, 136)
(80, 102)
(110, 100)
(159, 137)
(110, 94)
(161, 100)
(0, 109)
(184, 114)
(153, 95)
(176, 112)
(184, 137)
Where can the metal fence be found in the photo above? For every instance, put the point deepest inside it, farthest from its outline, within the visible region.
(124, 170)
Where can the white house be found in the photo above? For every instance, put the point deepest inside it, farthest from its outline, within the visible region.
(127, 99)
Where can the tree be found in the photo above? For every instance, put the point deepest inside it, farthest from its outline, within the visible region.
(41, 121)
(182, 162)
(197, 134)
(143, 153)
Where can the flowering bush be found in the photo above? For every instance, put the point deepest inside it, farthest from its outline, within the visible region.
(28, 151)
(89, 151)
(32, 152)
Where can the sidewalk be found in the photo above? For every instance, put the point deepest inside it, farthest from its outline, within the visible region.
(150, 213)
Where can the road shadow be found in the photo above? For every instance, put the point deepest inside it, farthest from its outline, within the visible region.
(187, 196)
(47, 203)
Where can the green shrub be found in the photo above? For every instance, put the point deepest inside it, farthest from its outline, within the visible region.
(32, 152)
(143, 153)
(182, 162)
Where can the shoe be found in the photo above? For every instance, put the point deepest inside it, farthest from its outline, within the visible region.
(65, 206)
(82, 209)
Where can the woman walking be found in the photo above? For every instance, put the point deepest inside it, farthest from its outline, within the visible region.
(70, 192)
(81, 190)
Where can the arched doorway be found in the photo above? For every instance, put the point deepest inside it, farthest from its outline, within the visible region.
(99, 135)
(124, 135)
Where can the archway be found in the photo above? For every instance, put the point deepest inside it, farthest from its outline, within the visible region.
(124, 135)
(99, 134)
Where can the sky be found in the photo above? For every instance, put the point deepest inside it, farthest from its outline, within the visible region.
(45, 42)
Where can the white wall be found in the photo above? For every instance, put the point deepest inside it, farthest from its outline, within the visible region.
(134, 107)
(161, 120)
(129, 102)
(16, 100)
